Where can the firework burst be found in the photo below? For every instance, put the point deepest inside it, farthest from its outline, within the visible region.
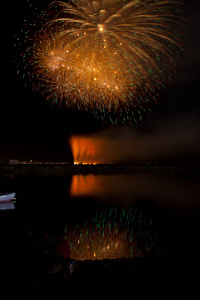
(106, 56)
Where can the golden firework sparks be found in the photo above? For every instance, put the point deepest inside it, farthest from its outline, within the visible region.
(107, 54)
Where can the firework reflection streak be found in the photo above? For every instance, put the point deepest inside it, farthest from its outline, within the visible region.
(114, 233)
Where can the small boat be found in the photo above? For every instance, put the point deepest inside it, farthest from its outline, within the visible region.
(7, 197)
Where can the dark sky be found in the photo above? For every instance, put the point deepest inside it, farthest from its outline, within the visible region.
(33, 129)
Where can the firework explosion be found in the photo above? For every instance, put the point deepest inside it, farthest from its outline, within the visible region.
(106, 56)
(114, 233)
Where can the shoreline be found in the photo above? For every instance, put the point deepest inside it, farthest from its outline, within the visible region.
(67, 169)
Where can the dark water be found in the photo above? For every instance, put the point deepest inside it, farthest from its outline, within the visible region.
(103, 216)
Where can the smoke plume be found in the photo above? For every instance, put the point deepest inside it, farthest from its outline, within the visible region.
(172, 139)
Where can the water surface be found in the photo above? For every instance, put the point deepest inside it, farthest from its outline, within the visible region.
(105, 216)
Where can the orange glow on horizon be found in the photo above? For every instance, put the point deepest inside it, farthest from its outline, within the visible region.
(86, 150)
(84, 163)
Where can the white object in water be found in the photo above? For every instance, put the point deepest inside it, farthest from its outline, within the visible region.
(7, 197)
(6, 206)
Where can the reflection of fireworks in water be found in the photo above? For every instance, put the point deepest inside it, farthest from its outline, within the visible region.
(106, 56)
(115, 233)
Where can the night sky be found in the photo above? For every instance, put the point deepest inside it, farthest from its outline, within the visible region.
(32, 128)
